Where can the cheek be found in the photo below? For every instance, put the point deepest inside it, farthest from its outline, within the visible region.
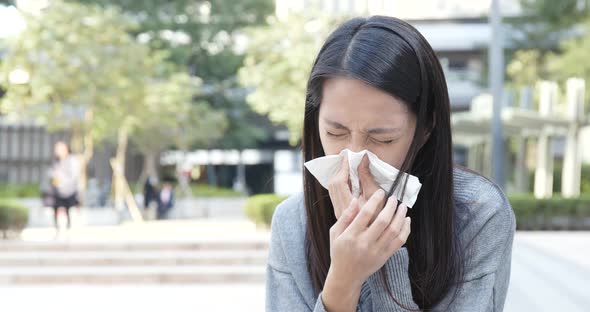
(394, 154)
(332, 146)
(391, 155)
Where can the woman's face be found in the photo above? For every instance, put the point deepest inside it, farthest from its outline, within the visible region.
(357, 116)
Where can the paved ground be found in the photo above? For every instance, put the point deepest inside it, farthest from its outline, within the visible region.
(551, 272)
(141, 298)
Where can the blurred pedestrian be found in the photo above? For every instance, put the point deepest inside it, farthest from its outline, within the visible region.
(165, 200)
(64, 175)
(150, 191)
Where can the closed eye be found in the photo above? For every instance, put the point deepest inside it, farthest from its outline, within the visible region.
(336, 135)
(384, 141)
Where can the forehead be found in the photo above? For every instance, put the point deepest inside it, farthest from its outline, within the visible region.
(351, 99)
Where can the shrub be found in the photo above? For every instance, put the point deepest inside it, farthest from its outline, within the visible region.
(19, 190)
(260, 208)
(556, 213)
(206, 190)
(13, 217)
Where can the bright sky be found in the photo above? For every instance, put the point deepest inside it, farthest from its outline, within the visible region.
(11, 21)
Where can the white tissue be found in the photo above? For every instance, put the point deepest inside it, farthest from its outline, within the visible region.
(324, 168)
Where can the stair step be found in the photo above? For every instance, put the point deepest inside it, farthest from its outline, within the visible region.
(133, 258)
(133, 246)
(129, 275)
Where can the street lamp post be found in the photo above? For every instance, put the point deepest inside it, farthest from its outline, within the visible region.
(496, 66)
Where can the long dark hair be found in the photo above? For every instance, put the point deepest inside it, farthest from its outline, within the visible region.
(391, 55)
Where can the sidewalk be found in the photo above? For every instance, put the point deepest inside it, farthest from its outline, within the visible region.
(550, 272)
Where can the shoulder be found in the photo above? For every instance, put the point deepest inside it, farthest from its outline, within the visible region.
(289, 213)
(288, 233)
(485, 219)
(477, 199)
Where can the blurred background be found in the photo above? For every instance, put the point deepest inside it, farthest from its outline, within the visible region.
(166, 132)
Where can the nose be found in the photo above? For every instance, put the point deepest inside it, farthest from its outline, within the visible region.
(357, 143)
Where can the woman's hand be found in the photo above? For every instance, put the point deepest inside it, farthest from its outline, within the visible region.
(367, 184)
(358, 248)
(339, 188)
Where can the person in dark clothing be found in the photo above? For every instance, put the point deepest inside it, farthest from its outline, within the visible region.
(165, 200)
(150, 192)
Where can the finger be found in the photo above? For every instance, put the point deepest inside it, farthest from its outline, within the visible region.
(344, 169)
(342, 173)
(347, 217)
(383, 220)
(395, 228)
(366, 212)
(367, 182)
(339, 188)
(402, 238)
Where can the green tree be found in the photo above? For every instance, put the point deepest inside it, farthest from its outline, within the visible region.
(171, 118)
(551, 42)
(277, 66)
(76, 67)
(205, 37)
(525, 68)
(544, 23)
(573, 60)
(73, 67)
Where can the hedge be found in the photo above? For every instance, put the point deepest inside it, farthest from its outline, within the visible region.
(13, 217)
(260, 208)
(19, 190)
(206, 190)
(556, 213)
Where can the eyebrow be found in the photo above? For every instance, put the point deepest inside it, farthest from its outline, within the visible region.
(380, 130)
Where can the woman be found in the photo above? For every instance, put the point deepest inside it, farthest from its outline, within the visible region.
(376, 84)
(64, 175)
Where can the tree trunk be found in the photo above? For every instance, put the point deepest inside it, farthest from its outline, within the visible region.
(183, 179)
(119, 171)
(82, 145)
(149, 167)
(88, 151)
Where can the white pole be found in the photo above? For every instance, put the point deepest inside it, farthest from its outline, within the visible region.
(496, 66)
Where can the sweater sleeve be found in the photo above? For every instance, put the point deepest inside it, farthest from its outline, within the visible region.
(282, 291)
(487, 246)
(282, 294)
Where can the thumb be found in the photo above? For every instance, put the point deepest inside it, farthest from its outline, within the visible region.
(345, 219)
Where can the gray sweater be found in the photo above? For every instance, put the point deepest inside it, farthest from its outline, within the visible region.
(486, 228)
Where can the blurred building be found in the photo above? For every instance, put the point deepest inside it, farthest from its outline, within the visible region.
(460, 34)
(458, 31)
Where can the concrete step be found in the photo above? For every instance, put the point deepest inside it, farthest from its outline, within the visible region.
(89, 275)
(167, 252)
(132, 258)
(134, 246)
